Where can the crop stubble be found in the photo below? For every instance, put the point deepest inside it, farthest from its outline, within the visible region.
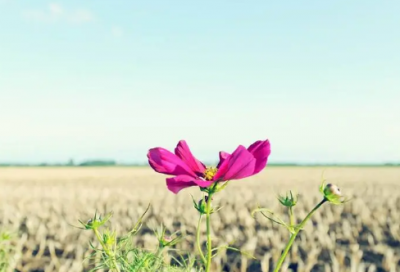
(40, 204)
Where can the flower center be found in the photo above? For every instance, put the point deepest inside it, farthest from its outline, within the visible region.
(210, 173)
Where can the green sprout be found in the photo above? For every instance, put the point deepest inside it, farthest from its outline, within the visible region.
(289, 200)
(202, 207)
(7, 251)
(96, 221)
(167, 240)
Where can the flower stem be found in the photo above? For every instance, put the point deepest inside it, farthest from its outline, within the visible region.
(110, 254)
(209, 246)
(198, 241)
(293, 236)
(291, 216)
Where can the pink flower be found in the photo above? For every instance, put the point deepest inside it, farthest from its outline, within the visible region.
(189, 171)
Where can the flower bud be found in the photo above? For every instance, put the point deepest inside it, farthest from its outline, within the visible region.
(200, 205)
(332, 189)
(96, 222)
(289, 200)
(109, 238)
(332, 193)
(167, 239)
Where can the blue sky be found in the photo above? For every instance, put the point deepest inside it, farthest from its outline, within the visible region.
(97, 79)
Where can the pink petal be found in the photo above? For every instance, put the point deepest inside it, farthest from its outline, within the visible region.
(178, 183)
(261, 151)
(222, 157)
(239, 165)
(164, 161)
(182, 150)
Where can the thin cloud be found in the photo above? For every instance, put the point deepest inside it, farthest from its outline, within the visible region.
(117, 32)
(55, 9)
(81, 16)
(34, 15)
(56, 13)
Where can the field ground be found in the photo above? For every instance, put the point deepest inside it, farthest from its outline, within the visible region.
(40, 204)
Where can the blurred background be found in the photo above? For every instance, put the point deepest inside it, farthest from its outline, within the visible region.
(86, 88)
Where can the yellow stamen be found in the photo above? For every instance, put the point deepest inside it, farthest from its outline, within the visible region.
(210, 173)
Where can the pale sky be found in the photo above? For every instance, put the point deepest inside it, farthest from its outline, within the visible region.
(109, 80)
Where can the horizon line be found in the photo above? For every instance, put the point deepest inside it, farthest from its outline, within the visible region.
(110, 162)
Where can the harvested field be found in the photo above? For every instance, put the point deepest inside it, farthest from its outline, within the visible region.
(40, 204)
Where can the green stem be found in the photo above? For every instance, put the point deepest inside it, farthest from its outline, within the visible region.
(198, 241)
(160, 256)
(291, 217)
(106, 249)
(293, 237)
(209, 246)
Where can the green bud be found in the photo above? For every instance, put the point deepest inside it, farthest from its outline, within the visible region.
(109, 238)
(167, 240)
(332, 193)
(96, 222)
(289, 200)
(332, 189)
(201, 205)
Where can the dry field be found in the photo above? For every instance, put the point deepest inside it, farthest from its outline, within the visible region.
(40, 204)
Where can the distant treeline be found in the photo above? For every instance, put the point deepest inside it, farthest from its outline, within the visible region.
(89, 163)
(70, 163)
